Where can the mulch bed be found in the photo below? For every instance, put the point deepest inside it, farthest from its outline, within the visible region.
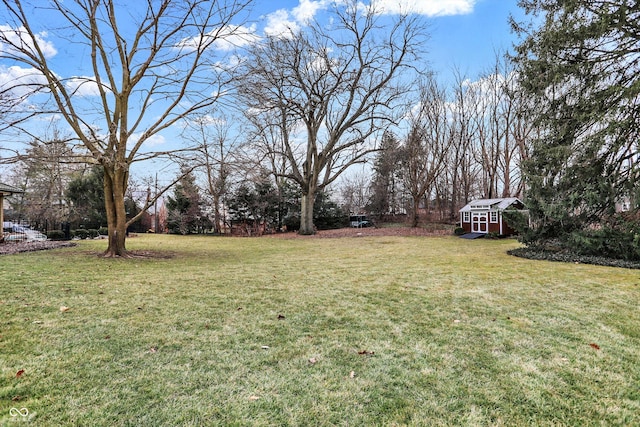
(16, 248)
(364, 232)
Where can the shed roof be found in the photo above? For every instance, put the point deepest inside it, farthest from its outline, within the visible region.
(494, 204)
(8, 190)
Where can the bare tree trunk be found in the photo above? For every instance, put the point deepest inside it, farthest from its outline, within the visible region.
(341, 83)
(306, 213)
(217, 218)
(114, 194)
(415, 216)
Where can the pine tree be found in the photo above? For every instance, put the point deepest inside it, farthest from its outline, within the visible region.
(385, 186)
(86, 194)
(185, 214)
(582, 68)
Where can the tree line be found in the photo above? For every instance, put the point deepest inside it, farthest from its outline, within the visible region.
(460, 142)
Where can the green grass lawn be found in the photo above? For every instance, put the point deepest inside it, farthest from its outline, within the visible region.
(353, 331)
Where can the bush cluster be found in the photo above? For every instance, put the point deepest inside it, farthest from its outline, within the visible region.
(571, 257)
(608, 242)
(80, 233)
(89, 233)
(56, 235)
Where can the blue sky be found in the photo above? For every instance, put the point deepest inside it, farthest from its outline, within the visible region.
(464, 33)
(469, 41)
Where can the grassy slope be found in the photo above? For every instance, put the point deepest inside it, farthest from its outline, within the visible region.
(461, 334)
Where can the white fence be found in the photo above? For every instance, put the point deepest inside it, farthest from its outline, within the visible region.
(16, 233)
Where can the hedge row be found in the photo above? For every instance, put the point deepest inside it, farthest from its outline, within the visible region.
(81, 233)
(566, 256)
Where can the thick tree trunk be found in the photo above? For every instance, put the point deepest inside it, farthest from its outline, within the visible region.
(115, 185)
(306, 214)
(217, 218)
(415, 216)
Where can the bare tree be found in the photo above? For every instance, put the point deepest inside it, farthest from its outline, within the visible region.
(462, 170)
(43, 171)
(215, 158)
(427, 144)
(334, 90)
(501, 130)
(152, 66)
(355, 192)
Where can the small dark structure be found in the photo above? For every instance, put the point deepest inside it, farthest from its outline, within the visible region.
(485, 216)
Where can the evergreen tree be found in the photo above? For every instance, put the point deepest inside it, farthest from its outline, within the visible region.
(255, 205)
(582, 68)
(86, 194)
(185, 214)
(386, 184)
(327, 214)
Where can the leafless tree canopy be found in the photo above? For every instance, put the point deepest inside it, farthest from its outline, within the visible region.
(332, 90)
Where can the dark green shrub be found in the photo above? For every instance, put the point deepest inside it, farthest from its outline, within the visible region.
(55, 235)
(104, 231)
(458, 231)
(81, 233)
(606, 242)
(327, 214)
(292, 223)
(92, 233)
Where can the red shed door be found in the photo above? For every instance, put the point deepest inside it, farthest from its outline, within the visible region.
(479, 222)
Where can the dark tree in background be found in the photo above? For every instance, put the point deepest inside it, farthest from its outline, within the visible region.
(86, 195)
(327, 215)
(386, 188)
(581, 66)
(254, 205)
(184, 208)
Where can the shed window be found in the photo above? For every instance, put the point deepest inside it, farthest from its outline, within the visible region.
(466, 217)
(494, 217)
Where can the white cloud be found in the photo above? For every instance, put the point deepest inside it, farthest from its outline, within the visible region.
(234, 36)
(225, 39)
(152, 141)
(284, 23)
(20, 82)
(307, 10)
(82, 86)
(14, 39)
(155, 140)
(280, 24)
(424, 7)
